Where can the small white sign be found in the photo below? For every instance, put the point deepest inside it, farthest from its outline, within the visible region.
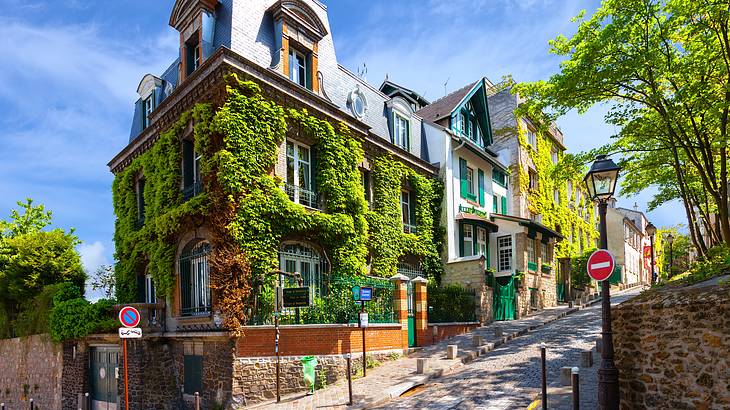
(130, 333)
(363, 319)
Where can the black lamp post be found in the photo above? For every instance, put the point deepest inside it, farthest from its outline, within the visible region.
(670, 240)
(601, 184)
(651, 231)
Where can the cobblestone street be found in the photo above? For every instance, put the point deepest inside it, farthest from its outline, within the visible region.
(509, 376)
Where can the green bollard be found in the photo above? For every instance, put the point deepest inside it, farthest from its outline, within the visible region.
(309, 365)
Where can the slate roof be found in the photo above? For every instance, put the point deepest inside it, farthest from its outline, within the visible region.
(443, 107)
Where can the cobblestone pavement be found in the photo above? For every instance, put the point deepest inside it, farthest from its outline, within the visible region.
(509, 376)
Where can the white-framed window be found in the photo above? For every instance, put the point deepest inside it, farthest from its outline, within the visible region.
(298, 67)
(305, 260)
(531, 256)
(195, 280)
(544, 253)
(192, 53)
(408, 212)
(299, 184)
(533, 179)
(554, 156)
(150, 295)
(401, 131)
(531, 136)
(148, 105)
(504, 253)
(468, 240)
(470, 179)
(482, 241)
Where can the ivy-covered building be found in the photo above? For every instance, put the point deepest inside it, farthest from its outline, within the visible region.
(254, 156)
(546, 200)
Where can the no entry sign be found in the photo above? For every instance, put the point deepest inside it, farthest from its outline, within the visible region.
(600, 265)
(129, 316)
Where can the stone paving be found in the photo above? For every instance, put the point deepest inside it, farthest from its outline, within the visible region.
(501, 373)
(509, 376)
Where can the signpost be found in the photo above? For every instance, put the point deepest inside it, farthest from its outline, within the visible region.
(129, 317)
(600, 265)
(363, 294)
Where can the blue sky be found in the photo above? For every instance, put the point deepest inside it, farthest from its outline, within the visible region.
(71, 69)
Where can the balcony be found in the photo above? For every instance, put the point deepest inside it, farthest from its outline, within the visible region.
(302, 196)
(192, 190)
(152, 315)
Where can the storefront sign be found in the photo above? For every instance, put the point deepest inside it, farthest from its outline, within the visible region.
(473, 211)
(297, 297)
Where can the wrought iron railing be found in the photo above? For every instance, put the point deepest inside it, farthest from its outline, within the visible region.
(302, 196)
(195, 295)
(192, 190)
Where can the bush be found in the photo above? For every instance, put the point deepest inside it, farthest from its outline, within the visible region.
(74, 317)
(579, 278)
(716, 263)
(450, 303)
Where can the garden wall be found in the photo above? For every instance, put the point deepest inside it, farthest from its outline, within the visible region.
(31, 367)
(672, 348)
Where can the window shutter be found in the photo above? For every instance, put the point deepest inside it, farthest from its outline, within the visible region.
(313, 167)
(494, 203)
(461, 239)
(489, 260)
(188, 159)
(462, 175)
(504, 205)
(193, 374)
(412, 206)
(308, 80)
(474, 241)
(481, 188)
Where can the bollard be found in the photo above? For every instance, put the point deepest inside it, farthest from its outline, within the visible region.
(452, 351)
(586, 358)
(86, 401)
(478, 340)
(565, 376)
(2, 406)
(544, 376)
(197, 401)
(32, 405)
(498, 331)
(421, 365)
(576, 388)
(349, 377)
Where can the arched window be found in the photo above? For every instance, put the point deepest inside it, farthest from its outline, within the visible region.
(195, 279)
(300, 258)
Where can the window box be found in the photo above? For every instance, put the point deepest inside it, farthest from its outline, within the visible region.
(546, 269)
(531, 266)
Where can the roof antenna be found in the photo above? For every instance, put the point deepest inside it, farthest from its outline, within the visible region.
(363, 71)
(446, 83)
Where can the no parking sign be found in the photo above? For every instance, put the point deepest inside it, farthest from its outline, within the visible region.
(129, 316)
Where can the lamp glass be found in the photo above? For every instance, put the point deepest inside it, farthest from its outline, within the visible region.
(670, 238)
(650, 229)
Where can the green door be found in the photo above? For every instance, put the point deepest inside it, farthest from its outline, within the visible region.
(504, 298)
(411, 295)
(103, 371)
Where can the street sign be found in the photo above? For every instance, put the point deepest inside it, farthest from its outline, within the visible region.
(366, 293)
(129, 316)
(356, 292)
(297, 297)
(600, 265)
(363, 319)
(130, 333)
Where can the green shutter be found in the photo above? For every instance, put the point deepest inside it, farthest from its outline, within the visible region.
(474, 242)
(461, 239)
(504, 205)
(462, 176)
(481, 188)
(188, 159)
(494, 203)
(308, 79)
(489, 260)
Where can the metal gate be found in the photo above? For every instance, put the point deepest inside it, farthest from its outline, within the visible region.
(103, 376)
(411, 272)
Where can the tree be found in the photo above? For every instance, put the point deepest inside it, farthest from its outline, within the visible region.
(663, 68)
(105, 280)
(31, 258)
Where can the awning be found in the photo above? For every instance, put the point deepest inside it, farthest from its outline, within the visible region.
(464, 216)
(532, 227)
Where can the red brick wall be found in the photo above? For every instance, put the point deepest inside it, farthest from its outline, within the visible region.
(258, 341)
(446, 330)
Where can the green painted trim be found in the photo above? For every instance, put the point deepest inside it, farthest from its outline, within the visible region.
(481, 188)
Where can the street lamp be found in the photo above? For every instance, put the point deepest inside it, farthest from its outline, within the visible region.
(651, 231)
(670, 241)
(601, 184)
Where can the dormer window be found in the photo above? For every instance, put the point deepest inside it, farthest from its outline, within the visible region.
(401, 131)
(192, 54)
(148, 105)
(150, 91)
(299, 68)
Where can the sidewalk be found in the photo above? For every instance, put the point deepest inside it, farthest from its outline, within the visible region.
(392, 379)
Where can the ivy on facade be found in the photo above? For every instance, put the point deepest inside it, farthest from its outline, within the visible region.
(247, 213)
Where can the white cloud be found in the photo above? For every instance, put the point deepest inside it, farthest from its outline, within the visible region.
(92, 255)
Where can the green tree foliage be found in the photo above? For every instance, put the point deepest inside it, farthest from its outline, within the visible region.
(579, 277)
(73, 317)
(680, 255)
(31, 259)
(663, 69)
(450, 303)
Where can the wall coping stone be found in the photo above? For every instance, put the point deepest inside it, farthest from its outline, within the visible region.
(326, 325)
(454, 324)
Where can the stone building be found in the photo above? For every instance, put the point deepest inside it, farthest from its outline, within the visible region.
(629, 243)
(286, 48)
(541, 205)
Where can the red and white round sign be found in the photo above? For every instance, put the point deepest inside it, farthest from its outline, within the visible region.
(129, 316)
(601, 264)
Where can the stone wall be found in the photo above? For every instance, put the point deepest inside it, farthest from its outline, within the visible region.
(254, 378)
(441, 331)
(31, 369)
(672, 349)
(73, 374)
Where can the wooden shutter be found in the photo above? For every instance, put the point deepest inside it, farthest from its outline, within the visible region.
(481, 188)
(504, 205)
(462, 176)
(461, 239)
(494, 203)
